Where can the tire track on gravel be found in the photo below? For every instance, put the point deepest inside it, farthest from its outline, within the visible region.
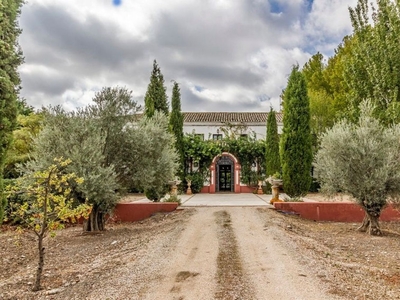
(270, 262)
(231, 278)
(190, 273)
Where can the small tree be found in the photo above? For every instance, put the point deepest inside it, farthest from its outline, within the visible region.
(156, 97)
(48, 203)
(362, 160)
(296, 148)
(176, 126)
(272, 159)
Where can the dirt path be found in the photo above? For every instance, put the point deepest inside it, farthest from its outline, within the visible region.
(191, 269)
(222, 253)
(232, 253)
(269, 262)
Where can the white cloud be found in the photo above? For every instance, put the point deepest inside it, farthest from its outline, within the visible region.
(238, 51)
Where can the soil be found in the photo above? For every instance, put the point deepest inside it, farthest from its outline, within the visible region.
(207, 253)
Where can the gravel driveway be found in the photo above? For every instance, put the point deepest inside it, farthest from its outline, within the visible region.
(203, 253)
(219, 253)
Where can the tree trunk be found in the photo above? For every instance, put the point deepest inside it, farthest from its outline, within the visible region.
(370, 223)
(39, 270)
(96, 220)
(374, 228)
(365, 224)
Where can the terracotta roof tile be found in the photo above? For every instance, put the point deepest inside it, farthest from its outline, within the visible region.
(228, 117)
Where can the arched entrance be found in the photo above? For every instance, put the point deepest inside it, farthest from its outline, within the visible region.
(225, 174)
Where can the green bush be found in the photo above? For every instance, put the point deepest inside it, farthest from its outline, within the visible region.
(155, 194)
(173, 198)
(267, 188)
(13, 199)
(197, 182)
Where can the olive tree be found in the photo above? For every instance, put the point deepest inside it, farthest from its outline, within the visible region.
(76, 137)
(148, 154)
(363, 161)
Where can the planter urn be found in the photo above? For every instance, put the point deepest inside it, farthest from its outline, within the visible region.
(189, 190)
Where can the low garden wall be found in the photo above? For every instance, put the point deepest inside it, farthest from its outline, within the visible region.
(333, 211)
(131, 212)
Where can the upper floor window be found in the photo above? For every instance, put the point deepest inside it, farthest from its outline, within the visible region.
(217, 137)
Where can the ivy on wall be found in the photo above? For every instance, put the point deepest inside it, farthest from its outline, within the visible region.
(248, 150)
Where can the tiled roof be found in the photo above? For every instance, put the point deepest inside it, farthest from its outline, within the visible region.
(228, 117)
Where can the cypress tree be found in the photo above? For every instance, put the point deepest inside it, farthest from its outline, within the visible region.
(272, 159)
(10, 59)
(176, 124)
(156, 98)
(296, 149)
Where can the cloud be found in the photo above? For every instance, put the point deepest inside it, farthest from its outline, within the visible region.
(238, 52)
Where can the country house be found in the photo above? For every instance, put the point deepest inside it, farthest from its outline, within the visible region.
(225, 168)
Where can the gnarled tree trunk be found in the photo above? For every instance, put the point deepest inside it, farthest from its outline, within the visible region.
(370, 223)
(365, 224)
(96, 220)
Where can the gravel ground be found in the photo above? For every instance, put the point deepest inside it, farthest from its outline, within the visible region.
(207, 253)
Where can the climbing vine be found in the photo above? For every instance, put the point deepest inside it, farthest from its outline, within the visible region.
(248, 150)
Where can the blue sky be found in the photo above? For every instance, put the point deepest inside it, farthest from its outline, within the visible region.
(226, 55)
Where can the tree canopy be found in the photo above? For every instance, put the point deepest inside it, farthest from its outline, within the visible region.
(176, 126)
(295, 149)
(272, 159)
(362, 160)
(10, 59)
(109, 148)
(373, 70)
(156, 97)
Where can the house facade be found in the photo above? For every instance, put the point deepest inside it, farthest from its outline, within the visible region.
(225, 168)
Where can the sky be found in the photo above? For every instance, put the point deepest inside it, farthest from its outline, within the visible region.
(226, 55)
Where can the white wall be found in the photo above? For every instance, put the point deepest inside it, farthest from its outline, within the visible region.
(209, 129)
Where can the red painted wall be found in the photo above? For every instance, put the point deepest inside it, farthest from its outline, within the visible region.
(247, 189)
(131, 212)
(333, 211)
(205, 189)
(243, 189)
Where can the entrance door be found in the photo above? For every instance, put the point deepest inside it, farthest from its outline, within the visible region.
(225, 178)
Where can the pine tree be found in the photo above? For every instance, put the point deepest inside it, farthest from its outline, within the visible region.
(156, 98)
(176, 124)
(296, 150)
(10, 59)
(272, 159)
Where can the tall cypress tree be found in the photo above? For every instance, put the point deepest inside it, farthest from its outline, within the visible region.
(10, 59)
(156, 97)
(176, 124)
(295, 150)
(272, 159)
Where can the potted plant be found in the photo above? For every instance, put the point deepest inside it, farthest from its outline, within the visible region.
(276, 179)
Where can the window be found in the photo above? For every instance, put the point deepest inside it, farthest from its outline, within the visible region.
(200, 136)
(217, 137)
